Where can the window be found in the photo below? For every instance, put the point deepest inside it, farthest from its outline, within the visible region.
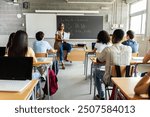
(138, 16)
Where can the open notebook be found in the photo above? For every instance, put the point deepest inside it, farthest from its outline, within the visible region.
(66, 36)
(15, 73)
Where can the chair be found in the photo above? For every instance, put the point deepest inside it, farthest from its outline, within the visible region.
(118, 71)
(41, 54)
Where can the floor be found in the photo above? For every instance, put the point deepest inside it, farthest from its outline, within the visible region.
(72, 83)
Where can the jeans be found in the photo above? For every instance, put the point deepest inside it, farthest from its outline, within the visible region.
(36, 75)
(64, 46)
(99, 76)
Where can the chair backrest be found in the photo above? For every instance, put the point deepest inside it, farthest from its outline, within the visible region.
(41, 55)
(135, 54)
(122, 71)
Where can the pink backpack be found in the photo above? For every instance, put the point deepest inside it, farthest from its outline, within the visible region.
(53, 86)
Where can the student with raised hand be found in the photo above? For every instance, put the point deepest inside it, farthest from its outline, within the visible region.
(41, 46)
(143, 86)
(131, 42)
(103, 40)
(117, 54)
(60, 44)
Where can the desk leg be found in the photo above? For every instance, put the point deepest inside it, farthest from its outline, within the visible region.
(54, 57)
(94, 81)
(85, 64)
(116, 93)
(86, 72)
(48, 83)
(91, 78)
(135, 70)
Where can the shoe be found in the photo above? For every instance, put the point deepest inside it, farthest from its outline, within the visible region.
(42, 79)
(97, 97)
(63, 66)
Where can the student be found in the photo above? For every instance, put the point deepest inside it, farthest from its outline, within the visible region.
(60, 44)
(19, 48)
(117, 54)
(146, 57)
(103, 40)
(131, 42)
(9, 42)
(41, 46)
(143, 86)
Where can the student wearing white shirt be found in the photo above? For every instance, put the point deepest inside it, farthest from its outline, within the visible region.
(117, 54)
(103, 40)
(41, 46)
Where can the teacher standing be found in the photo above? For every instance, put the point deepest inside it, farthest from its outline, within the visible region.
(61, 45)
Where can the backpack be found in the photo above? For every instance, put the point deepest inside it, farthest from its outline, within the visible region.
(53, 86)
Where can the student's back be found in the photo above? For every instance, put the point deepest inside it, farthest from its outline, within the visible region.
(41, 46)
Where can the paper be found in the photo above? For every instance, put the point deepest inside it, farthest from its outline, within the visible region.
(66, 36)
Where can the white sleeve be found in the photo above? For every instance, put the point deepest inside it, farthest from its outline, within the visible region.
(96, 45)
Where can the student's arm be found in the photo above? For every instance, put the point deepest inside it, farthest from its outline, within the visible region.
(102, 56)
(146, 57)
(142, 85)
(94, 50)
(32, 54)
(52, 51)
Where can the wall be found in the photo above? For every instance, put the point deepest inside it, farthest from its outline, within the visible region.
(10, 23)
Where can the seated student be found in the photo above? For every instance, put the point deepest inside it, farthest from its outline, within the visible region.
(9, 42)
(143, 86)
(131, 42)
(19, 48)
(117, 54)
(41, 46)
(103, 40)
(146, 57)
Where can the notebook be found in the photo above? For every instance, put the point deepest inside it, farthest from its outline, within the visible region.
(2, 51)
(15, 73)
(66, 36)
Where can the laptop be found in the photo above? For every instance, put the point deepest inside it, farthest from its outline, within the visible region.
(15, 73)
(2, 51)
(66, 36)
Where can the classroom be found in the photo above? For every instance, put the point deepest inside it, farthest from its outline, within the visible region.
(74, 49)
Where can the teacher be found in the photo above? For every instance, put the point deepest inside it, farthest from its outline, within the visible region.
(60, 44)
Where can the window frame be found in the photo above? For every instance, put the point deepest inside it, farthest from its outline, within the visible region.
(142, 12)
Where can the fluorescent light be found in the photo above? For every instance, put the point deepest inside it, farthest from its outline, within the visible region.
(77, 2)
(65, 11)
(70, 14)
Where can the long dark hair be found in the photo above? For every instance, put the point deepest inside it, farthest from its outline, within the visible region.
(10, 40)
(19, 45)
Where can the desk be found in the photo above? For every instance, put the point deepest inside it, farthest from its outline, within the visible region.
(126, 86)
(44, 61)
(24, 95)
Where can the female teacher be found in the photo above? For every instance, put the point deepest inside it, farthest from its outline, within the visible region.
(61, 45)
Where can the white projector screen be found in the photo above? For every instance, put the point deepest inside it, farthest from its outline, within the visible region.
(41, 22)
